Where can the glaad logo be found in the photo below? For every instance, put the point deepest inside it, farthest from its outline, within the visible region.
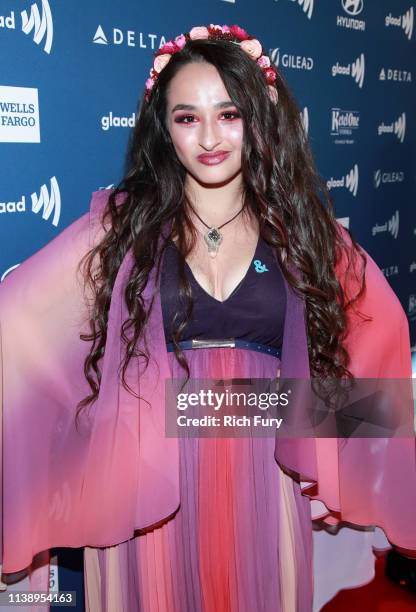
(356, 70)
(387, 177)
(307, 6)
(391, 226)
(111, 120)
(19, 114)
(130, 38)
(349, 181)
(403, 21)
(397, 127)
(352, 8)
(6, 272)
(394, 74)
(46, 202)
(297, 62)
(42, 26)
(412, 267)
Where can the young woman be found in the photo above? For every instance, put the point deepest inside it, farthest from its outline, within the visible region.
(221, 230)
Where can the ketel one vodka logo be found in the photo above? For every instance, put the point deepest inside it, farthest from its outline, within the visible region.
(355, 69)
(34, 23)
(47, 202)
(404, 21)
(343, 122)
(349, 181)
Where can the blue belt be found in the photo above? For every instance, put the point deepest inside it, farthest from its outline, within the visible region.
(229, 343)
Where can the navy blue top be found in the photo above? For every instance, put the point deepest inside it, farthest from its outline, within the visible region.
(255, 310)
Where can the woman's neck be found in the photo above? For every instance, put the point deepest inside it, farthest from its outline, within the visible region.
(215, 204)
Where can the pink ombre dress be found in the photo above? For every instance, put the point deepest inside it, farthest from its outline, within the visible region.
(226, 521)
(241, 539)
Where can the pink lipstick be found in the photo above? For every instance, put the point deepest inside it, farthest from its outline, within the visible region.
(211, 159)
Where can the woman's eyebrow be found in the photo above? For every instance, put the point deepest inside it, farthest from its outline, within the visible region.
(190, 107)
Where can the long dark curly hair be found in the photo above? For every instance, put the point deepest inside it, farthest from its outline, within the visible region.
(281, 186)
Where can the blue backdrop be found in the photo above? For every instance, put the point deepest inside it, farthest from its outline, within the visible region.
(71, 74)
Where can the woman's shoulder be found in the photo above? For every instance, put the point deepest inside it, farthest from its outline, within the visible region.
(53, 269)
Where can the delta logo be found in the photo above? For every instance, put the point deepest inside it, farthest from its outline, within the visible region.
(128, 38)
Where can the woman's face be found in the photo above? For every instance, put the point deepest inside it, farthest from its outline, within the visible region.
(205, 126)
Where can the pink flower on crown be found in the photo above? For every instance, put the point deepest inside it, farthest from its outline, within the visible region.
(238, 32)
(252, 48)
(180, 41)
(263, 61)
(270, 75)
(149, 84)
(198, 32)
(169, 47)
(225, 29)
(161, 61)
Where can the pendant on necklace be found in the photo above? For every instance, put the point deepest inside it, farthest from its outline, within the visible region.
(213, 238)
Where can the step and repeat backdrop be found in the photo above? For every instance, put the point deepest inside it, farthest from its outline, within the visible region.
(72, 73)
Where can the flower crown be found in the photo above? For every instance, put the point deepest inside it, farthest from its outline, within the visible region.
(246, 42)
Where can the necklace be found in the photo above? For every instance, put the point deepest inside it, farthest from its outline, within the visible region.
(213, 236)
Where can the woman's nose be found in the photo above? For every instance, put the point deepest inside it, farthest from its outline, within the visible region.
(210, 135)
